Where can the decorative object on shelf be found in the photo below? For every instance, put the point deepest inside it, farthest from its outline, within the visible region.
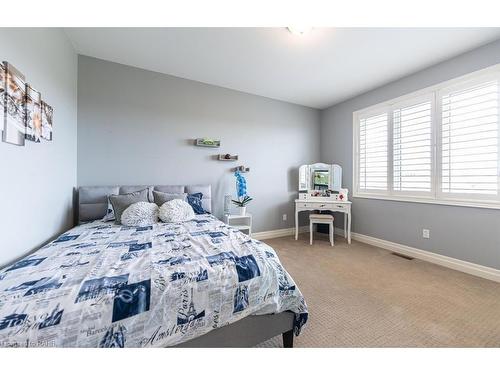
(23, 114)
(15, 100)
(241, 169)
(241, 191)
(228, 157)
(207, 142)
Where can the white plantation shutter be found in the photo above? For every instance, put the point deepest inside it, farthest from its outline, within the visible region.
(437, 145)
(412, 148)
(373, 152)
(469, 140)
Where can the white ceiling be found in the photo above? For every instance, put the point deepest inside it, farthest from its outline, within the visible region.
(318, 69)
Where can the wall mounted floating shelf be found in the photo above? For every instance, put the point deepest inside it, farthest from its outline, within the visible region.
(241, 169)
(228, 157)
(206, 142)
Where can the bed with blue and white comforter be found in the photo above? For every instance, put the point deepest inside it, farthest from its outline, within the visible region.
(107, 285)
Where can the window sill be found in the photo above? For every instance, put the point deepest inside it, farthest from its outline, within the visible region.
(425, 200)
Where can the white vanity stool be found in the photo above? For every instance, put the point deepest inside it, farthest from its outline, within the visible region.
(321, 219)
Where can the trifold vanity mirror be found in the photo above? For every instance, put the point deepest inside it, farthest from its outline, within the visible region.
(320, 176)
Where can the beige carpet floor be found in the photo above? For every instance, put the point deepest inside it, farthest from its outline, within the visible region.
(363, 296)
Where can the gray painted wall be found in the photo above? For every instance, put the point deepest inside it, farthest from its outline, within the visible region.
(470, 234)
(136, 127)
(38, 179)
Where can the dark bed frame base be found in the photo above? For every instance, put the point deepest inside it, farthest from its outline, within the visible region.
(247, 332)
(288, 339)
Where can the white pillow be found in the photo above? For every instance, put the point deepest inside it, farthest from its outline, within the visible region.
(140, 214)
(175, 211)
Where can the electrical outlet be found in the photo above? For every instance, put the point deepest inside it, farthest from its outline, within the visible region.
(284, 217)
(426, 233)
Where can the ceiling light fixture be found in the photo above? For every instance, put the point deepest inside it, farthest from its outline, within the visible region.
(299, 30)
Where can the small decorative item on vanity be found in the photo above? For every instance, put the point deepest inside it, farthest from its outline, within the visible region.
(343, 195)
(241, 191)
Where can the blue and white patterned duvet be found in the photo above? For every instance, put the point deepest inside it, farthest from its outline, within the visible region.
(106, 285)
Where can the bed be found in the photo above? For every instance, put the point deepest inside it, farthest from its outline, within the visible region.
(199, 283)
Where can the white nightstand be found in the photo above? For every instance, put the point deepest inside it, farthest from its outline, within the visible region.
(242, 222)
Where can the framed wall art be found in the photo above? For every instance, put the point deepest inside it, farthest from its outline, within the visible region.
(14, 120)
(33, 114)
(2, 96)
(23, 114)
(47, 121)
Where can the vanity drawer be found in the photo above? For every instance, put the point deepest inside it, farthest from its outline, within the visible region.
(314, 205)
(339, 207)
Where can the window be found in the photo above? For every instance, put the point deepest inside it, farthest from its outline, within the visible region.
(469, 136)
(412, 147)
(439, 145)
(373, 152)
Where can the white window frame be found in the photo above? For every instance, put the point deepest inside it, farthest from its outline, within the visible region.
(435, 93)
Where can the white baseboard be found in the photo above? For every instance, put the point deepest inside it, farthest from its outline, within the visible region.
(442, 260)
(278, 233)
(286, 232)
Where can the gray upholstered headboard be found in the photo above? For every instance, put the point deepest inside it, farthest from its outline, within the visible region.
(93, 200)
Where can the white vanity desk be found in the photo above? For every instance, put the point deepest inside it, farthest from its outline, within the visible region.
(319, 185)
(327, 205)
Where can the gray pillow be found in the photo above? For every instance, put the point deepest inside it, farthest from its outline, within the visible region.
(161, 197)
(120, 202)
